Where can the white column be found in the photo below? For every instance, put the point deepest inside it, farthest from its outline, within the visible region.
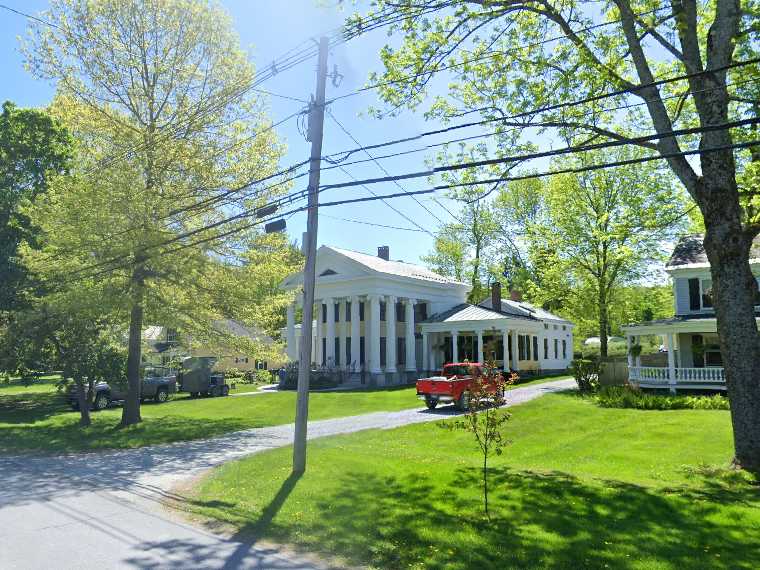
(515, 355)
(629, 345)
(638, 358)
(454, 347)
(374, 336)
(390, 333)
(671, 362)
(425, 352)
(355, 334)
(480, 346)
(330, 335)
(291, 333)
(342, 332)
(505, 347)
(411, 355)
(318, 333)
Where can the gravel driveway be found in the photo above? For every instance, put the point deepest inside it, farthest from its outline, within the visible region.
(104, 510)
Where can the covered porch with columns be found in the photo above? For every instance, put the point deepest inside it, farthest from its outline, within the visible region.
(691, 359)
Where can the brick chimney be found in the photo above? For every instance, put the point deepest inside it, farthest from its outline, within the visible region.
(496, 296)
(383, 252)
(515, 294)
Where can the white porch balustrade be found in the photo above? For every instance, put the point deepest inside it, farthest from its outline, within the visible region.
(652, 375)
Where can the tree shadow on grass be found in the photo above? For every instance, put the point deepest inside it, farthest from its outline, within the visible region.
(538, 520)
(30, 407)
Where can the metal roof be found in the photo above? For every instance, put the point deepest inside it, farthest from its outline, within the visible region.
(398, 268)
(524, 309)
(467, 312)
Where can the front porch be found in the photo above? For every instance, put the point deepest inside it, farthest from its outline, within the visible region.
(690, 357)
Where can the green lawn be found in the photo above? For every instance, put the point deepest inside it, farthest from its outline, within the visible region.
(36, 418)
(40, 420)
(580, 487)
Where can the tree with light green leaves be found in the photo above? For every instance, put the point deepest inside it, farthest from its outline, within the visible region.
(156, 95)
(606, 227)
(540, 67)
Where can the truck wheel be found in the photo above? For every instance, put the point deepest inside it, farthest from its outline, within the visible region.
(162, 395)
(225, 390)
(431, 403)
(463, 403)
(101, 401)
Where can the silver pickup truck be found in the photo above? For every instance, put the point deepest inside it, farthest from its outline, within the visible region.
(158, 384)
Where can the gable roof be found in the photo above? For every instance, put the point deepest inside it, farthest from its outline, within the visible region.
(525, 310)
(396, 268)
(690, 251)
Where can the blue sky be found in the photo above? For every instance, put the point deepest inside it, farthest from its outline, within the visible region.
(268, 28)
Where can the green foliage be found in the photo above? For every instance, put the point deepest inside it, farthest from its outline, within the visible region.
(586, 374)
(483, 419)
(33, 148)
(628, 397)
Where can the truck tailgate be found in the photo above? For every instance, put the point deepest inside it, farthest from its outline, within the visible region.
(437, 386)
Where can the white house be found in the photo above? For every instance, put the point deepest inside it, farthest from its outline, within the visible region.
(691, 338)
(395, 321)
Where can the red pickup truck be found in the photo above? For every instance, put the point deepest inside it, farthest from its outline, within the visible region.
(451, 386)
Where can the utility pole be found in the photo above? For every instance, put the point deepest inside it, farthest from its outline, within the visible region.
(316, 124)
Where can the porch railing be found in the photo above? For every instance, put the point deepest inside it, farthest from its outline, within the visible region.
(660, 375)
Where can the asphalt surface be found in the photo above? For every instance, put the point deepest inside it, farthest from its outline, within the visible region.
(108, 509)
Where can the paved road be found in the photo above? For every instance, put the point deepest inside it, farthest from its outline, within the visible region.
(106, 510)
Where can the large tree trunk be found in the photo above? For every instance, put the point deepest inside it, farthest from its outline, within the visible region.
(734, 289)
(131, 411)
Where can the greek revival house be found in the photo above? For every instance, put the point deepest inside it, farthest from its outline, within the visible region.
(691, 339)
(394, 321)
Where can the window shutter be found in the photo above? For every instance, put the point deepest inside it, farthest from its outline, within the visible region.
(694, 303)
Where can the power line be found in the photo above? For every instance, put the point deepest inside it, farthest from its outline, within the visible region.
(554, 107)
(575, 170)
(366, 223)
(377, 162)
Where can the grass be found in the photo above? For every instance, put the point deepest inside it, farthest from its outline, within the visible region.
(38, 419)
(580, 487)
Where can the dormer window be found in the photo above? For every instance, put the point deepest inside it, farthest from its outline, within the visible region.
(327, 272)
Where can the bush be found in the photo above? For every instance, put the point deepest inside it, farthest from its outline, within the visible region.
(258, 377)
(234, 375)
(628, 397)
(586, 373)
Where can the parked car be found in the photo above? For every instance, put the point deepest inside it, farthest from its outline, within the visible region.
(199, 378)
(158, 384)
(452, 385)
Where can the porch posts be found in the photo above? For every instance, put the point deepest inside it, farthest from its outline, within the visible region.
(505, 348)
(291, 333)
(330, 336)
(318, 334)
(426, 352)
(454, 347)
(480, 346)
(390, 334)
(374, 336)
(355, 336)
(411, 356)
(515, 365)
(671, 362)
(628, 345)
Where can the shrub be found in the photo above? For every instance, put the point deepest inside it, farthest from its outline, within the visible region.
(258, 377)
(234, 375)
(628, 397)
(586, 373)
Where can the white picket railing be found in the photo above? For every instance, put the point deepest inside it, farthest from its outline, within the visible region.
(660, 375)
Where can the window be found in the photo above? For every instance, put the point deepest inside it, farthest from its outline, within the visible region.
(337, 351)
(420, 312)
(348, 311)
(382, 310)
(362, 359)
(546, 326)
(527, 347)
(324, 351)
(556, 327)
(400, 312)
(383, 351)
(401, 350)
(564, 327)
(520, 347)
(348, 351)
(564, 349)
(336, 316)
(556, 351)
(713, 356)
(361, 312)
(706, 293)
(327, 272)
(324, 313)
(535, 348)
(245, 360)
(546, 348)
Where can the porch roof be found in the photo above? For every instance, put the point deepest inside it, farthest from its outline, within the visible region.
(477, 317)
